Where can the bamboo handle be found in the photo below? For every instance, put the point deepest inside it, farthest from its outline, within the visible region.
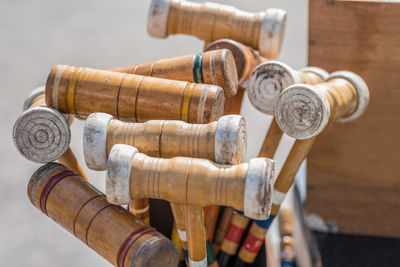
(226, 139)
(210, 21)
(110, 230)
(213, 67)
(270, 78)
(303, 111)
(82, 91)
(189, 181)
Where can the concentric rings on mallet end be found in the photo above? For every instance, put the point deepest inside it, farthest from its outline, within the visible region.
(267, 81)
(302, 111)
(41, 134)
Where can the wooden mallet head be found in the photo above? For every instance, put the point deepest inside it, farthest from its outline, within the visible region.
(189, 181)
(270, 78)
(173, 138)
(41, 134)
(303, 111)
(263, 31)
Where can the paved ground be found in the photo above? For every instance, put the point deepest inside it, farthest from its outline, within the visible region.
(34, 35)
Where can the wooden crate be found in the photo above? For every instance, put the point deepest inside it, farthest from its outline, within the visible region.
(354, 168)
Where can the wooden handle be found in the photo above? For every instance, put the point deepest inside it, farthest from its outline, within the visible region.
(213, 67)
(298, 153)
(253, 242)
(178, 211)
(141, 209)
(303, 111)
(177, 242)
(246, 58)
(222, 228)
(286, 233)
(189, 181)
(82, 91)
(210, 21)
(110, 230)
(226, 139)
(69, 160)
(210, 219)
(194, 216)
(270, 78)
(232, 239)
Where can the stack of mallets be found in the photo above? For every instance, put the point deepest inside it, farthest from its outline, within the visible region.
(171, 129)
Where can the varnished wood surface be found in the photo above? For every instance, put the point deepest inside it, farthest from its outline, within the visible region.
(353, 168)
(82, 91)
(215, 67)
(110, 230)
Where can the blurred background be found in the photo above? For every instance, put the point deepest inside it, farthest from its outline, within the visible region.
(34, 36)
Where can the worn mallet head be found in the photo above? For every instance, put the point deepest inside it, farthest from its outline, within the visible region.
(362, 92)
(303, 111)
(237, 52)
(257, 190)
(230, 140)
(267, 81)
(95, 140)
(271, 31)
(118, 175)
(41, 134)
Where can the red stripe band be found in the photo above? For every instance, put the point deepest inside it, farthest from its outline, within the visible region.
(253, 243)
(129, 242)
(49, 186)
(234, 233)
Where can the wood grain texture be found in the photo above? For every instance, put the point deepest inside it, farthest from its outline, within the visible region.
(215, 67)
(81, 91)
(353, 168)
(190, 181)
(246, 59)
(212, 21)
(110, 230)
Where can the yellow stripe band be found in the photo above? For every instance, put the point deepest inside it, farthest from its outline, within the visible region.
(70, 98)
(186, 102)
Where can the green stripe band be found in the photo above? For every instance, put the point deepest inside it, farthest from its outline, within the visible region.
(210, 253)
(198, 68)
